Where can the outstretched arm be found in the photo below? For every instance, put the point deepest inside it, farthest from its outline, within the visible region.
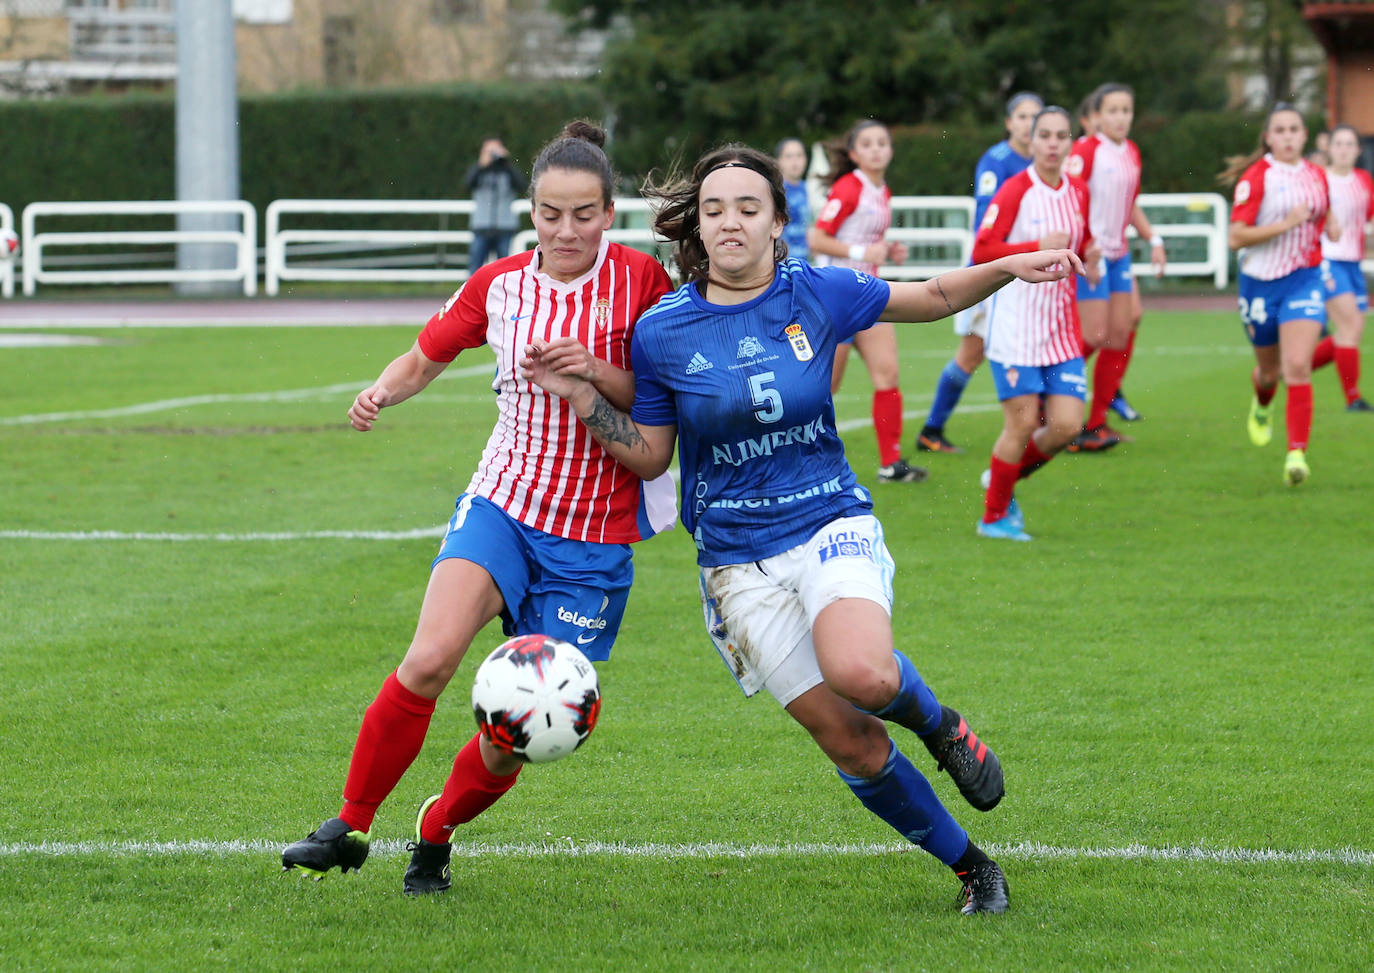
(645, 450)
(400, 380)
(930, 300)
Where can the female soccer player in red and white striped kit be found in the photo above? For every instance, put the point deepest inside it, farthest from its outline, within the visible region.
(1281, 205)
(541, 537)
(1347, 297)
(1033, 343)
(1109, 163)
(849, 233)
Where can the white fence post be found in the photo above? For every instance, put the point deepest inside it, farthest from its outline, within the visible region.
(7, 266)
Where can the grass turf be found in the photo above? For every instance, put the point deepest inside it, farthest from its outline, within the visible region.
(1180, 660)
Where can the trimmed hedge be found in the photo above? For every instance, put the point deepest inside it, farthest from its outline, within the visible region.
(382, 144)
(416, 143)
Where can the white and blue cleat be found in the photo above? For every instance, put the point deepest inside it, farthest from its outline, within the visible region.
(1009, 528)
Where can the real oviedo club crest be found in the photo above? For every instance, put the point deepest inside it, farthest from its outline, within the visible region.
(800, 346)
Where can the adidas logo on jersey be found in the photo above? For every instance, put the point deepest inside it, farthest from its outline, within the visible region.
(698, 364)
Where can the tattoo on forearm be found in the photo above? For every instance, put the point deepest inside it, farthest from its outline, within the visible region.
(941, 288)
(609, 423)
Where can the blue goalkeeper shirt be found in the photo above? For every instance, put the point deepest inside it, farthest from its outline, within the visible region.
(748, 387)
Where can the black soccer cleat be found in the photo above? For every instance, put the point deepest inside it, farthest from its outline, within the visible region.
(934, 441)
(428, 871)
(985, 889)
(902, 472)
(332, 843)
(970, 762)
(1359, 405)
(1098, 439)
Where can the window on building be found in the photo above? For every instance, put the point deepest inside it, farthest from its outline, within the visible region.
(340, 50)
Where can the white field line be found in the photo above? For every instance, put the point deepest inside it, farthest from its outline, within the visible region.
(299, 535)
(667, 851)
(166, 405)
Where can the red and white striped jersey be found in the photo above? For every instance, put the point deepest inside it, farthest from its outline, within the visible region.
(1112, 172)
(540, 464)
(855, 212)
(1264, 195)
(1352, 202)
(1033, 324)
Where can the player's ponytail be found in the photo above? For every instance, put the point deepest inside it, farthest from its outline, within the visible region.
(579, 147)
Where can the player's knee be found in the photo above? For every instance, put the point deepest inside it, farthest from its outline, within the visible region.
(429, 666)
(868, 686)
(1061, 429)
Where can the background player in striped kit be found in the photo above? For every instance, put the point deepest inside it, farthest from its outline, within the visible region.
(1347, 297)
(997, 164)
(734, 370)
(541, 536)
(1281, 204)
(1109, 163)
(849, 233)
(1034, 349)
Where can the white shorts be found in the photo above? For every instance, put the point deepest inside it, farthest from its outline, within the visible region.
(759, 614)
(973, 320)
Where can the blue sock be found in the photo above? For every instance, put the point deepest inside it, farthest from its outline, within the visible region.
(904, 799)
(947, 393)
(915, 706)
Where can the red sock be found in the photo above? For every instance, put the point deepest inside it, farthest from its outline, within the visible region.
(1299, 415)
(1130, 353)
(470, 789)
(1111, 364)
(393, 728)
(1348, 368)
(998, 497)
(887, 424)
(1264, 395)
(1324, 353)
(1031, 460)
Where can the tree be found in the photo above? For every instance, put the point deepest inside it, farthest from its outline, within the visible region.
(679, 82)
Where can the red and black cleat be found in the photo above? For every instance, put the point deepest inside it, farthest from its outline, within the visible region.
(970, 762)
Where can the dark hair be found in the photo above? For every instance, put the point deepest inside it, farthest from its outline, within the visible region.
(1051, 110)
(1101, 92)
(837, 150)
(577, 148)
(678, 217)
(1021, 96)
(1237, 164)
(782, 142)
(1343, 127)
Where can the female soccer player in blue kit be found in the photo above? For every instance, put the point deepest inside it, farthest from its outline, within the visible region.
(796, 582)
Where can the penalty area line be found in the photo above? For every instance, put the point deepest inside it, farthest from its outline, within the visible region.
(571, 848)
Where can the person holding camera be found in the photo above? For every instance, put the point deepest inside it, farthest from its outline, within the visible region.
(494, 182)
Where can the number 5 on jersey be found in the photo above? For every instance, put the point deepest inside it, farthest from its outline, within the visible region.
(767, 401)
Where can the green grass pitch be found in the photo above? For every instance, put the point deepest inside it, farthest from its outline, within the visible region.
(1176, 675)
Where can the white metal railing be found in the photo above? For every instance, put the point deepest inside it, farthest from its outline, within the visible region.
(937, 230)
(7, 266)
(244, 240)
(1214, 233)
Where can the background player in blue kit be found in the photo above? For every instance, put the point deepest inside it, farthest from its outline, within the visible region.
(796, 581)
(997, 165)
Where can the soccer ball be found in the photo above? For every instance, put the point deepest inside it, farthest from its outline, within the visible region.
(9, 245)
(536, 698)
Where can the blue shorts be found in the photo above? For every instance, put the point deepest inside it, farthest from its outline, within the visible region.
(1116, 279)
(1345, 277)
(1265, 304)
(1066, 378)
(567, 589)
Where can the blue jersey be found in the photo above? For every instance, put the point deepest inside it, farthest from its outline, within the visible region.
(748, 387)
(798, 220)
(997, 165)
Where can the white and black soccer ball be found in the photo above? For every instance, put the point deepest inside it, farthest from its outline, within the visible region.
(9, 245)
(536, 698)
